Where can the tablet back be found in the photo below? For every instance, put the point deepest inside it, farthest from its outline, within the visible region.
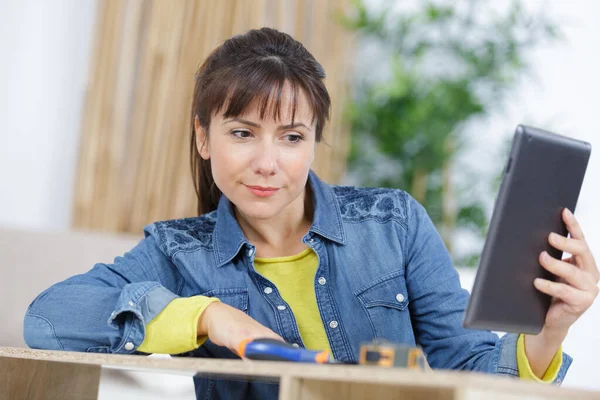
(543, 175)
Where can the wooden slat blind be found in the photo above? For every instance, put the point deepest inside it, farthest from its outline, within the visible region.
(133, 161)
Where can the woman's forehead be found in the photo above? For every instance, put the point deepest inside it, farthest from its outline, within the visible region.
(281, 112)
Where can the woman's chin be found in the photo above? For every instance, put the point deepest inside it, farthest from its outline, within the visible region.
(260, 211)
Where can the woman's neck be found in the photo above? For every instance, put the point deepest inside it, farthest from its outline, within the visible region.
(281, 235)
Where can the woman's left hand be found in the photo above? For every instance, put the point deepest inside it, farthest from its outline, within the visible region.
(577, 284)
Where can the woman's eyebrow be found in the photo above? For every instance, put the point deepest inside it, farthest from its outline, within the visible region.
(246, 122)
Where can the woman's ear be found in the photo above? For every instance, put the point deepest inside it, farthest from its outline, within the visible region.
(201, 139)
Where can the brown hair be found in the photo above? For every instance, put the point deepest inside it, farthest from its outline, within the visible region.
(255, 65)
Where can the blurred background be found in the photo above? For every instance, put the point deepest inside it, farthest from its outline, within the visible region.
(426, 96)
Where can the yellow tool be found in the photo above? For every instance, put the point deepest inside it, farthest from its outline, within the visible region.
(388, 354)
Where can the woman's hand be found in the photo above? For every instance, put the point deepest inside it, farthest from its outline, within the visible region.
(577, 287)
(227, 326)
(572, 294)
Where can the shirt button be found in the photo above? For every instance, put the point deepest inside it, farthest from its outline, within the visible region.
(311, 241)
(295, 345)
(268, 290)
(131, 303)
(129, 346)
(400, 297)
(322, 281)
(250, 252)
(333, 324)
(281, 308)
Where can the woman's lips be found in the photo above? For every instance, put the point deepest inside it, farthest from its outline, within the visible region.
(262, 191)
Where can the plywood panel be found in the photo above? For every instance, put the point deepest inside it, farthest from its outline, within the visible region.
(30, 379)
(314, 389)
(298, 380)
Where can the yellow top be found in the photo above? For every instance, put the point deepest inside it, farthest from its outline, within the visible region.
(174, 330)
(525, 371)
(294, 276)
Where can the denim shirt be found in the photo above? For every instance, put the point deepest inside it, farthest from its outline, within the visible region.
(383, 272)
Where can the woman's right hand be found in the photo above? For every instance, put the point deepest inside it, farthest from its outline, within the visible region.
(227, 326)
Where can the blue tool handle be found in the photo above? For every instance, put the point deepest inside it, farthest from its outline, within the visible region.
(276, 350)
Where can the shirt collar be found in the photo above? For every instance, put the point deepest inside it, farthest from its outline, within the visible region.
(327, 219)
(229, 239)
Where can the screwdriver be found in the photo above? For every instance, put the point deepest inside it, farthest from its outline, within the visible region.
(276, 350)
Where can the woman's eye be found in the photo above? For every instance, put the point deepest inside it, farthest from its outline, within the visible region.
(241, 134)
(294, 138)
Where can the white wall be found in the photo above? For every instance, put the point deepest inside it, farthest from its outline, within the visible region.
(46, 47)
(563, 97)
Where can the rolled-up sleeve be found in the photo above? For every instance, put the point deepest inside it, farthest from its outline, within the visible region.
(175, 329)
(106, 309)
(438, 304)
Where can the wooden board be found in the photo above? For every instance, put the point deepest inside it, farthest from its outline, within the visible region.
(31, 379)
(298, 381)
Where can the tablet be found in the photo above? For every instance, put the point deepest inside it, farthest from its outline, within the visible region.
(542, 176)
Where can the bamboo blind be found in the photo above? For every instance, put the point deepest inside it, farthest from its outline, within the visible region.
(133, 158)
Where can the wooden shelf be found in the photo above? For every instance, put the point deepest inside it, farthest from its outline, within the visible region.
(44, 374)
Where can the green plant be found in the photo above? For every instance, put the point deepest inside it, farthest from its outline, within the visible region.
(446, 64)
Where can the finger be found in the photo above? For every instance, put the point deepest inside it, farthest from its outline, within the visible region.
(576, 232)
(570, 260)
(571, 245)
(576, 247)
(572, 275)
(578, 300)
(573, 225)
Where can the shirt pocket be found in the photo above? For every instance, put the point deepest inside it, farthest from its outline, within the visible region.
(235, 297)
(385, 302)
(98, 349)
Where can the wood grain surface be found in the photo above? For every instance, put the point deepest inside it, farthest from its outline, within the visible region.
(298, 381)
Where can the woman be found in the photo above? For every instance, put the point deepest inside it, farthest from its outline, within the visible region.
(275, 252)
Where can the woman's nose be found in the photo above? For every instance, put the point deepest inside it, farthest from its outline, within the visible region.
(265, 161)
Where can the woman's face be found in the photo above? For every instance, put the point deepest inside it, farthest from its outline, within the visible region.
(261, 165)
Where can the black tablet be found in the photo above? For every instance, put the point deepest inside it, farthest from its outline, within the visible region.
(543, 175)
